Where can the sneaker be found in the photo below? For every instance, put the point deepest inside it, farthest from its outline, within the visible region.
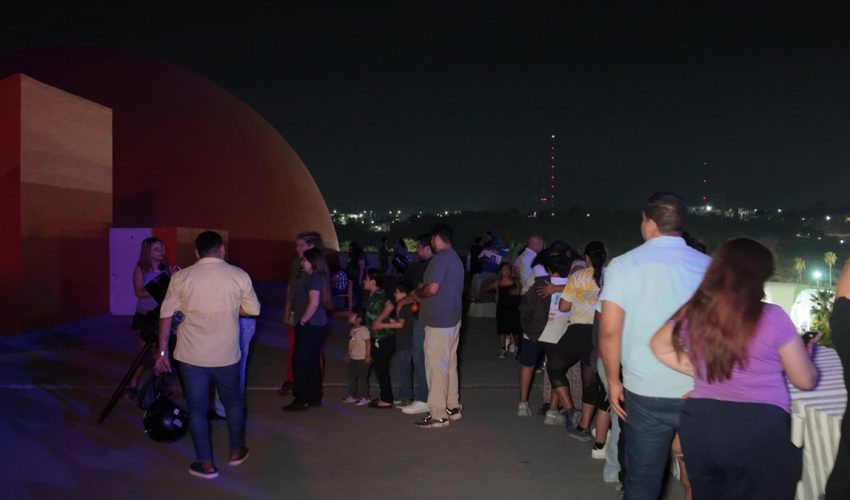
(512, 347)
(522, 410)
(243, 455)
(197, 469)
(455, 414)
(554, 417)
(573, 418)
(598, 451)
(502, 354)
(363, 401)
(542, 409)
(582, 435)
(404, 403)
(415, 408)
(430, 422)
(350, 399)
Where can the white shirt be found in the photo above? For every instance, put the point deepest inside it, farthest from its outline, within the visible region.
(523, 269)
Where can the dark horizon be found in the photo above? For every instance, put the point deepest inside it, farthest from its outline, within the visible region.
(415, 109)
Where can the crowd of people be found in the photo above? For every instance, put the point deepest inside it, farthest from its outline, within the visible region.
(677, 351)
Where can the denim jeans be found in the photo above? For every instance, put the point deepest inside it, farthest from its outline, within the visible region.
(650, 427)
(404, 361)
(196, 389)
(247, 328)
(419, 361)
(611, 470)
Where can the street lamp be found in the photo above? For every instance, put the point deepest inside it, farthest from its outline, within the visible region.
(817, 275)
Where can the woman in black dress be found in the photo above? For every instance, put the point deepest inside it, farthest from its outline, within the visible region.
(507, 308)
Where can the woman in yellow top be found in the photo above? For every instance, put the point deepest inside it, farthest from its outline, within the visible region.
(579, 297)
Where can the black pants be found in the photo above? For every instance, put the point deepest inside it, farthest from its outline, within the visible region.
(739, 450)
(838, 486)
(576, 345)
(305, 364)
(381, 365)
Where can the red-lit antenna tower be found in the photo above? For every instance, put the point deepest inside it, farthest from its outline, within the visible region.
(552, 175)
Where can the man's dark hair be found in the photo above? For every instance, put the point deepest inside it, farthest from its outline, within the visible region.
(208, 242)
(424, 240)
(667, 210)
(373, 273)
(404, 286)
(560, 265)
(311, 238)
(444, 231)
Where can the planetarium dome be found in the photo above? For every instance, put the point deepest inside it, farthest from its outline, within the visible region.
(186, 153)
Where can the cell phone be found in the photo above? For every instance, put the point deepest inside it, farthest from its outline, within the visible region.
(808, 336)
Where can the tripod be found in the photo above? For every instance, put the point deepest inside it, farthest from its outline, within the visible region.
(149, 343)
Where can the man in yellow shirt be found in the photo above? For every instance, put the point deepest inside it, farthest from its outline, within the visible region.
(211, 294)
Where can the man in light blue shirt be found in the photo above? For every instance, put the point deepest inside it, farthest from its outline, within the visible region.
(643, 288)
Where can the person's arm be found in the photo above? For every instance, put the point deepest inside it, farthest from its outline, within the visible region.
(663, 348)
(383, 325)
(564, 305)
(492, 284)
(797, 363)
(290, 293)
(315, 297)
(361, 265)
(163, 361)
(610, 342)
(842, 288)
(139, 283)
(368, 357)
(385, 313)
(429, 290)
(250, 304)
(546, 289)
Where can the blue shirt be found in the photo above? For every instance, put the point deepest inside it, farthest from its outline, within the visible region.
(650, 283)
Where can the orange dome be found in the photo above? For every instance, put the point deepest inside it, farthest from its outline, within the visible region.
(189, 154)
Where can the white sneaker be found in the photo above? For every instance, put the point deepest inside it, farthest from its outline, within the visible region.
(503, 354)
(363, 401)
(598, 453)
(523, 410)
(350, 399)
(554, 417)
(416, 407)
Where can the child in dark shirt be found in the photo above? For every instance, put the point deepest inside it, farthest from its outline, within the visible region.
(403, 324)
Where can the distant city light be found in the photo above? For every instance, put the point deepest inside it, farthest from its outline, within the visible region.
(779, 210)
(588, 214)
(828, 218)
(841, 242)
(708, 208)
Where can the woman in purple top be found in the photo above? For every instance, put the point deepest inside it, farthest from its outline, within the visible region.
(736, 427)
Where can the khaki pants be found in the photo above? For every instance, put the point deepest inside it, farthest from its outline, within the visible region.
(441, 368)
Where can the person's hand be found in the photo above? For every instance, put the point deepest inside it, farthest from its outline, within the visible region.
(546, 289)
(616, 397)
(162, 365)
(368, 359)
(174, 268)
(811, 344)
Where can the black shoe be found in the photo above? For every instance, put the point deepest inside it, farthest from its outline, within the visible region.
(542, 409)
(243, 455)
(285, 388)
(430, 422)
(297, 406)
(213, 415)
(455, 414)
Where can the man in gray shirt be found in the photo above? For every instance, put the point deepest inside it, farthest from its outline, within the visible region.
(440, 312)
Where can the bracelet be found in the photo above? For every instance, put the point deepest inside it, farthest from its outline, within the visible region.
(163, 354)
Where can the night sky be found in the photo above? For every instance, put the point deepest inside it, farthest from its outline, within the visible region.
(449, 107)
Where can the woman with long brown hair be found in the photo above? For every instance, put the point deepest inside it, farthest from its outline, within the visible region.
(311, 303)
(735, 426)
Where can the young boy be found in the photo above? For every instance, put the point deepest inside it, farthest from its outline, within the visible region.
(359, 354)
(403, 324)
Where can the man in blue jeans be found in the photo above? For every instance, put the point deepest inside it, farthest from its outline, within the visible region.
(415, 275)
(212, 294)
(642, 290)
(247, 329)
